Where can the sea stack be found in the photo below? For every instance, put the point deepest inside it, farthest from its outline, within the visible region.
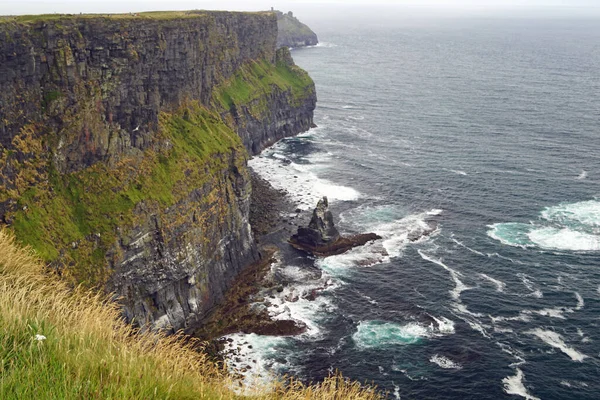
(321, 237)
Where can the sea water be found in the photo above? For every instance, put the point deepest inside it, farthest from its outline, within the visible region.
(491, 129)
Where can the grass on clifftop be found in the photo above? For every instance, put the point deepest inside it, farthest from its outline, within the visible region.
(59, 343)
(156, 15)
(254, 79)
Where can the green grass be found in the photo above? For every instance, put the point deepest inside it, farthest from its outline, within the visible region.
(257, 78)
(90, 353)
(155, 15)
(97, 201)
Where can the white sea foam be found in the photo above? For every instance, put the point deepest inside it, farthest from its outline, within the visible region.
(585, 212)
(252, 357)
(445, 325)
(455, 275)
(580, 302)
(566, 227)
(381, 334)
(396, 391)
(514, 385)
(556, 312)
(582, 175)
(396, 233)
(467, 247)
(299, 180)
(555, 340)
(444, 362)
(458, 172)
(500, 286)
(535, 292)
(564, 239)
(374, 334)
(511, 234)
(521, 317)
(325, 44)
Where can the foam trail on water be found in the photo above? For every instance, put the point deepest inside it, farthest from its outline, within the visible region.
(500, 286)
(467, 247)
(514, 385)
(580, 302)
(459, 285)
(444, 362)
(555, 340)
(535, 292)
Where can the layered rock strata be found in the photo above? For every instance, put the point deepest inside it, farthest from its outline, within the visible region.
(123, 159)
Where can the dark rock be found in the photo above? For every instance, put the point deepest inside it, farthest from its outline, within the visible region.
(293, 33)
(321, 237)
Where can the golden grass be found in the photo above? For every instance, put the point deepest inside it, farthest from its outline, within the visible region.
(89, 352)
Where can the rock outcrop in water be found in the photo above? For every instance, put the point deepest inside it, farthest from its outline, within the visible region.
(322, 238)
(293, 33)
(123, 159)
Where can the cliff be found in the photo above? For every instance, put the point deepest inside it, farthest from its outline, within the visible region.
(122, 148)
(293, 33)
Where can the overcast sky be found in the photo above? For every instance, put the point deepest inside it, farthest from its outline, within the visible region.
(14, 7)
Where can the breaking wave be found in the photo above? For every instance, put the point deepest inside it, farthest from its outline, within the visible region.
(566, 227)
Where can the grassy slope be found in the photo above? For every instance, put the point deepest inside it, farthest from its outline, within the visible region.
(255, 79)
(58, 220)
(90, 353)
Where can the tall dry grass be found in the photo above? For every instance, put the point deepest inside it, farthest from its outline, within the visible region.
(90, 353)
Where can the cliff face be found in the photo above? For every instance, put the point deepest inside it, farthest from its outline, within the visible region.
(120, 159)
(293, 33)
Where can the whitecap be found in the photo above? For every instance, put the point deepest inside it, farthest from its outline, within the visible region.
(555, 340)
(445, 325)
(381, 334)
(564, 239)
(535, 292)
(458, 172)
(376, 334)
(569, 214)
(514, 385)
(566, 227)
(396, 391)
(582, 175)
(511, 234)
(580, 302)
(444, 362)
(500, 286)
(396, 234)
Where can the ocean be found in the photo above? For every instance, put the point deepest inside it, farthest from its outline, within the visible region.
(489, 130)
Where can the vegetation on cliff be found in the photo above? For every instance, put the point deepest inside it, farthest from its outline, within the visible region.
(59, 218)
(61, 343)
(292, 32)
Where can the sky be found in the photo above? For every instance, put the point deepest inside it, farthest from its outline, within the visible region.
(17, 7)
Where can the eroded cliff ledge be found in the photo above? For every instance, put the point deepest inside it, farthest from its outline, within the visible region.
(124, 143)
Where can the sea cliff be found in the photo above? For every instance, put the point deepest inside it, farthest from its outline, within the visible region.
(293, 33)
(124, 142)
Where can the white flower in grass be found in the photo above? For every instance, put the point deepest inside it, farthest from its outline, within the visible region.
(39, 337)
